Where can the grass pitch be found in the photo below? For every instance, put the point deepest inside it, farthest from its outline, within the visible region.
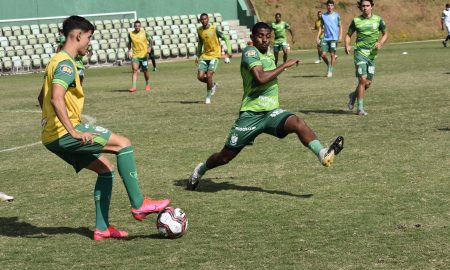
(382, 205)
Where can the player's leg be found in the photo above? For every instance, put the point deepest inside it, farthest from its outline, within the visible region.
(325, 49)
(152, 58)
(144, 68)
(319, 55)
(285, 54)
(134, 76)
(147, 78)
(276, 50)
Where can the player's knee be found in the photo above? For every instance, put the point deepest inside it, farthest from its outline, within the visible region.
(209, 75)
(368, 84)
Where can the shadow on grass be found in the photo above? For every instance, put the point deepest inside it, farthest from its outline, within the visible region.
(444, 129)
(183, 101)
(208, 185)
(118, 90)
(12, 227)
(329, 111)
(307, 76)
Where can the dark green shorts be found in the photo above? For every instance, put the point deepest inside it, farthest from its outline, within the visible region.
(250, 124)
(328, 45)
(208, 65)
(142, 62)
(364, 67)
(76, 153)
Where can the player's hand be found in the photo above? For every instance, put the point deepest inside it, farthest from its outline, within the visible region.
(318, 41)
(130, 54)
(196, 61)
(291, 62)
(85, 136)
(378, 45)
(348, 49)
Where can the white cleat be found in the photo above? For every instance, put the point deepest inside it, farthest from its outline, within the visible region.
(6, 198)
(317, 62)
(214, 88)
(351, 101)
(329, 74)
(327, 154)
(208, 100)
(362, 113)
(194, 179)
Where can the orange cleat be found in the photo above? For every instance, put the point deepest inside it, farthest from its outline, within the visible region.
(110, 232)
(132, 89)
(147, 88)
(149, 206)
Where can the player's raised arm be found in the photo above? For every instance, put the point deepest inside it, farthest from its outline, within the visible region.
(227, 42)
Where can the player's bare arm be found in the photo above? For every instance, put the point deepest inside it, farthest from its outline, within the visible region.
(261, 77)
(382, 40)
(348, 48)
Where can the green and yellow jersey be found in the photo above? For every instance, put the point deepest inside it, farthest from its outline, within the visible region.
(209, 39)
(61, 40)
(318, 25)
(258, 98)
(139, 43)
(61, 70)
(280, 31)
(367, 33)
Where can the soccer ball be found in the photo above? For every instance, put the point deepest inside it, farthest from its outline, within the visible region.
(226, 60)
(172, 222)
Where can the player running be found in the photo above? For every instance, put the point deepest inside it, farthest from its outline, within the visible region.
(368, 28)
(138, 50)
(279, 27)
(445, 20)
(208, 54)
(260, 112)
(81, 145)
(332, 34)
(319, 27)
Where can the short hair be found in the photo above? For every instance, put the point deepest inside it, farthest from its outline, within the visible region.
(203, 14)
(76, 22)
(278, 14)
(330, 2)
(260, 25)
(370, 1)
(136, 21)
(447, 5)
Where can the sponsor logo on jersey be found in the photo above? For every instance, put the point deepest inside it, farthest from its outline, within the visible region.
(66, 69)
(374, 26)
(245, 128)
(234, 138)
(276, 112)
(250, 53)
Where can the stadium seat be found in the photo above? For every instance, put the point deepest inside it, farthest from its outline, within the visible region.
(149, 31)
(26, 62)
(123, 33)
(10, 51)
(173, 50)
(50, 38)
(157, 52)
(45, 59)
(192, 28)
(175, 29)
(184, 29)
(53, 28)
(218, 26)
(105, 34)
(4, 42)
(168, 20)
(165, 51)
(35, 29)
(123, 43)
(176, 20)
(2, 52)
(193, 19)
(31, 39)
(25, 30)
(17, 63)
(159, 21)
(116, 24)
(184, 20)
(234, 46)
(125, 23)
(7, 63)
(151, 22)
(217, 17)
(38, 49)
(182, 50)
(174, 39)
(13, 41)
(121, 55)
(19, 50)
(143, 22)
(36, 61)
(103, 44)
(158, 31)
(157, 40)
(114, 33)
(113, 44)
(16, 31)
(48, 48)
(242, 44)
(44, 28)
(111, 55)
(94, 44)
(191, 49)
(99, 25)
(41, 39)
(93, 59)
(102, 57)
(166, 30)
(22, 40)
(183, 39)
(165, 39)
(7, 32)
(97, 35)
(28, 50)
(108, 24)
(192, 38)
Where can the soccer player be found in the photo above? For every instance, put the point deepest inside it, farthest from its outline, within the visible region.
(81, 145)
(279, 27)
(260, 112)
(318, 26)
(368, 28)
(332, 30)
(445, 19)
(78, 59)
(138, 50)
(151, 53)
(208, 54)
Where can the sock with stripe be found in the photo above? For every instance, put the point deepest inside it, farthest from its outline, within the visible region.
(102, 199)
(126, 165)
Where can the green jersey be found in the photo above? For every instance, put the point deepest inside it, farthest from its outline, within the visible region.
(280, 31)
(78, 59)
(367, 34)
(258, 98)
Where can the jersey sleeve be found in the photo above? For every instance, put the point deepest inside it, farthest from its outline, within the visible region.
(382, 25)
(287, 26)
(351, 28)
(64, 74)
(226, 39)
(250, 59)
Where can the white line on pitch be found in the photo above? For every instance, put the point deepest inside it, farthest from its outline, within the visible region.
(19, 147)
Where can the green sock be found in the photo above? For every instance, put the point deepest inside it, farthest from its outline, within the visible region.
(146, 82)
(203, 169)
(102, 199)
(133, 84)
(315, 146)
(360, 104)
(208, 93)
(127, 170)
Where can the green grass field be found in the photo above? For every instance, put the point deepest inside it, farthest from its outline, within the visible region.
(384, 204)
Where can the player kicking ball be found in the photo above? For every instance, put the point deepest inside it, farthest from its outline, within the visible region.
(260, 112)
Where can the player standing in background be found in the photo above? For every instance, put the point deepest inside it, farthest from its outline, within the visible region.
(260, 112)
(81, 145)
(332, 30)
(78, 59)
(279, 27)
(138, 50)
(445, 20)
(368, 28)
(319, 27)
(151, 53)
(208, 54)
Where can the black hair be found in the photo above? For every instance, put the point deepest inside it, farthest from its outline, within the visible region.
(137, 21)
(360, 3)
(203, 14)
(260, 25)
(330, 2)
(278, 13)
(76, 22)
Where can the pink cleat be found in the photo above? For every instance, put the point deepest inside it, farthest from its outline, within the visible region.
(147, 88)
(110, 232)
(132, 89)
(149, 206)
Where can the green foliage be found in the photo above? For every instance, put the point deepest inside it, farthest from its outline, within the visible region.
(382, 205)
